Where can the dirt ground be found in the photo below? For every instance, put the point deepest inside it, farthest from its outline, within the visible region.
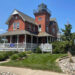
(25, 71)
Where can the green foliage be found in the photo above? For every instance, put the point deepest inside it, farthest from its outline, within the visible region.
(38, 61)
(15, 57)
(18, 56)
(1, 57)
(67, 32)
(29, 52)
(60, 47)
(22, 54)
(5, 55)
(38, 50)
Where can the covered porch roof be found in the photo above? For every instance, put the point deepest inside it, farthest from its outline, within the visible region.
(43, 34)
(17, 32)
(23, 32)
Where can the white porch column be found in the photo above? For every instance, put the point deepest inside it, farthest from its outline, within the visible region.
(17, 40)
(10, 39)
(50, 39)
(25, 40)
(47, 39)
(31, 41)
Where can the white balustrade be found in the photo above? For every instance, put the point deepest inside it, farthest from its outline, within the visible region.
(17, 46)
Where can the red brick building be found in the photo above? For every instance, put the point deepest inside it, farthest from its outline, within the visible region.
(24, 29)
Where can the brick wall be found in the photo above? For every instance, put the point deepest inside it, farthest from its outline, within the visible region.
(13, 20)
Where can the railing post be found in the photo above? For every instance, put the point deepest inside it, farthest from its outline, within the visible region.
(47, 39)
(17, 40)
(31, 41)
(25, 41)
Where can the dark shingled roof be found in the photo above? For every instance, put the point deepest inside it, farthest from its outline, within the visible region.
(24, 17)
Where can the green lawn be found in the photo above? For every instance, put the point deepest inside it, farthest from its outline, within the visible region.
(38, 61)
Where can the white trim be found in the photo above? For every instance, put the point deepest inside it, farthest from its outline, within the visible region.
(31, 41)
(15, 12)
(47, 39)
(10, 39)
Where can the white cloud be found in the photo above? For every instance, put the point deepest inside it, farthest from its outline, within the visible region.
(1, 30)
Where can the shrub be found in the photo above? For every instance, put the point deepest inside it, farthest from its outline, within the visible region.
(38, 50)
(60, 47)
(15, 57)
(1, 57)
(29, 52)
(9, 53)
(22, 54)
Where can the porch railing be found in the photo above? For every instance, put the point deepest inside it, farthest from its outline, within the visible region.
(27, 46)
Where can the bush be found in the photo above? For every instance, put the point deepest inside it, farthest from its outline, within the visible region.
(1, 57)
(15, 57)
(29, 52)
(9, 53)
(38, 50)
(60, 47)
(6, 54)
(22, 54)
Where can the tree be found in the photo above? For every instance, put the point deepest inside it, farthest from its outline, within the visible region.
(67, 32)
(67, 36)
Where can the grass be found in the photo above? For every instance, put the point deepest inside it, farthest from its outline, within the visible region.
(38, 61)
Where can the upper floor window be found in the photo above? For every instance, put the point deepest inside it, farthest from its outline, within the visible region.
(14, 26)
(53, 30)
(34, 28)
(47, 20)
(39, 18)
(47, 28)
(16, 17)
(39, 28)
(18, 25)
(29, 27)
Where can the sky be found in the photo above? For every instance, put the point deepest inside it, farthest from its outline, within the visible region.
(62, 10)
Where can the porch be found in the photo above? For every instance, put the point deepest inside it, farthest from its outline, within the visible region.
(23, 40)
(19, 42)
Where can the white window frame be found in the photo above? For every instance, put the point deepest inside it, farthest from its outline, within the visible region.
(47, 29)
(29, 27)
(39, 18)
(14, 26)
(53, 30)
(16, 17)
(39, 28)
(18, 25)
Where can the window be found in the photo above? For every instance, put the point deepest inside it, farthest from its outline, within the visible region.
(47, 28)
(53, 30)
(18, 25)
(34, 28)
(47, 20)
(14, 26)
(39, 18)
(16, 17)
(29, 27)
(39, 28)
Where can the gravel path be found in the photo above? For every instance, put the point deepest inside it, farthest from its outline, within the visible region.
(25, 71)
(67, 67)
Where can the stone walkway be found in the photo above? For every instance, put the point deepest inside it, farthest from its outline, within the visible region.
(25, 71)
